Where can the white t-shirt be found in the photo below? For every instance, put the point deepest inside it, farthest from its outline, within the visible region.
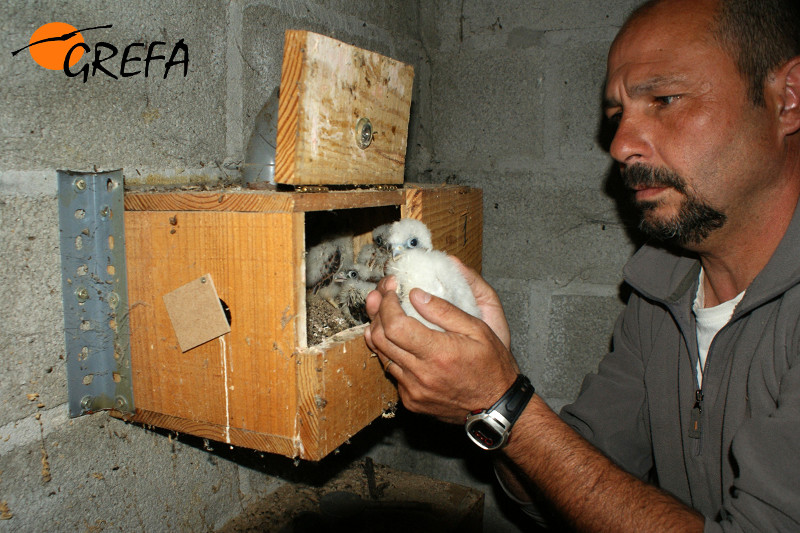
(709, 321)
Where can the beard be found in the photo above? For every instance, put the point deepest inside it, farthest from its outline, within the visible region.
(695, 219)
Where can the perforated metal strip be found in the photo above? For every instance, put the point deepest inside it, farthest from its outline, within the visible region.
(95, 291)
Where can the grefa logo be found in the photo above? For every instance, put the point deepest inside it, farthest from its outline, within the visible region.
(59, 46)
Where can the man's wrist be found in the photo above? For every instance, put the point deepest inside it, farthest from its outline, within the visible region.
(490, 428)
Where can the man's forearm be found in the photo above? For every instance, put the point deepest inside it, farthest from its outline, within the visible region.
(587, 488)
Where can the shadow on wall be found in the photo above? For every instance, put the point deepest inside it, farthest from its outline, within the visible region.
(409, 430)
(414, 433)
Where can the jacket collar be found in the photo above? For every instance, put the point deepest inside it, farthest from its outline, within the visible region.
(662, 274)
(670, 275)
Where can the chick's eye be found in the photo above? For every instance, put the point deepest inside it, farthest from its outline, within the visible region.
(352, 274)
(379, 241)
(412, 243)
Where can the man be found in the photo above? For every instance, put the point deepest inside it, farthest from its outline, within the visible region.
(674, 432)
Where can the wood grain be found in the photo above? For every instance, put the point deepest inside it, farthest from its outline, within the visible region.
(260, 386)
(342, 390)
(326, 87)
(260, 201)
(454, 214)
(248, 439)
(239, 380)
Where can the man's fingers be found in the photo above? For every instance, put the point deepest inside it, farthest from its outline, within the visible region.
(373, 303)
(388, 343)
(441, 312)
(387, 284)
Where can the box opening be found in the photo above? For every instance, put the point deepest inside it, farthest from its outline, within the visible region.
(345, 231)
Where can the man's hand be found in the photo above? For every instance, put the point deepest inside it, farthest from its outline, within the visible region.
(488, 302)
(444, 374)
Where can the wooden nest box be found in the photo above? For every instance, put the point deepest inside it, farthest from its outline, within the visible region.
(258, 383)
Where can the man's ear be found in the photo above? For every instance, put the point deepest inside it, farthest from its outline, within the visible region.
(786, 84)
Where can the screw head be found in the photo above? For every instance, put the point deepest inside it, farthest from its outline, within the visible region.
(113, 300)
(80, 184)
(363, 133)
(120, 403)
(82, 294)
(86, 403)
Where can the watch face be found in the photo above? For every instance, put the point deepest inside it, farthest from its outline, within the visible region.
(484, 435)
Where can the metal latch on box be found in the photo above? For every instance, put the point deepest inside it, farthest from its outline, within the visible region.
(95, 291)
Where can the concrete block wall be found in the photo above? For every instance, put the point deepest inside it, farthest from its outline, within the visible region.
(507, 98)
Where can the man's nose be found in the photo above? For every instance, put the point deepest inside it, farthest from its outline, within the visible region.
(632, 140)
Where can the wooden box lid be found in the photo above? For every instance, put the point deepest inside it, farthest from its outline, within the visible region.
(331, 95)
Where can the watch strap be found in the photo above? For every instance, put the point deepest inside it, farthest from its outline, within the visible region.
(516, 398)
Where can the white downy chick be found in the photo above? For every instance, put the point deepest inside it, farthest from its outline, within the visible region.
(352, 297)
(415, 263)
(374, 255)
(323, 261)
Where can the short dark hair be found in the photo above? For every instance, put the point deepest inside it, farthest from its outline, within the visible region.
(760, 35)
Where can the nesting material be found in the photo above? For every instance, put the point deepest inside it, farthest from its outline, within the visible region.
(323, 320)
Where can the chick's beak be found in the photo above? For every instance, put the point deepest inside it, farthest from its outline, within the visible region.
(397, 251)
(339, 277)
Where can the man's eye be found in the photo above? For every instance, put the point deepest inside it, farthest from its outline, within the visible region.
(666, 100)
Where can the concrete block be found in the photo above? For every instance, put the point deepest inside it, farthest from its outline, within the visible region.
(52, 121)
(575, 85)
(31, 318)
(514, 296)
(580, 335)
(401, 18)
(108, 475)
(488, 109)
(535, 230)
(517, 23)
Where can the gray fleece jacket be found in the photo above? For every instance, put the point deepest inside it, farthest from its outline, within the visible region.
(741, 470)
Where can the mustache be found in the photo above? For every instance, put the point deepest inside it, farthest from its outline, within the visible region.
(640, 175)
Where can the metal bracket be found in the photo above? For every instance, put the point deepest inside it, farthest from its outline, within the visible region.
(95, 291)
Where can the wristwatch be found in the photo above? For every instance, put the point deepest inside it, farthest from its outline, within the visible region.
(490, 428)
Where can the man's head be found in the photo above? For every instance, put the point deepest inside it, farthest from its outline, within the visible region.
(703, 114)
(760, 35)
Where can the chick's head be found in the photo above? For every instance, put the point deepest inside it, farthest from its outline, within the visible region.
(408, 234)
(380, 236)
(352, 273)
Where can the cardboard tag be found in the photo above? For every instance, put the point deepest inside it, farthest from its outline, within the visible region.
(196, 313)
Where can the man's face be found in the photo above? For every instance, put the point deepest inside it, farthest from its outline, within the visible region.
(690, 146)
(694, 220)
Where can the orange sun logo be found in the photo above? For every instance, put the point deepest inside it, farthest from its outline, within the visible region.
(50, 43)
